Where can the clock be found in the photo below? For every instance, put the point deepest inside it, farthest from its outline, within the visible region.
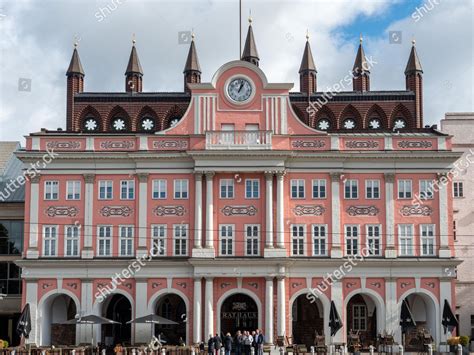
(239, 89)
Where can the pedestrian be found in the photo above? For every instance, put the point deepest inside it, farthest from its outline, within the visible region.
(218, 342)
(247, 342)
(211, 345)
(254, 341)
(260, 341)
(202, 347)
(227, 344)
(239, 342)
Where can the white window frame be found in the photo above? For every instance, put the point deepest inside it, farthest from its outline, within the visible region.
(51, 190)
(159, 234)
(181, 189)
(159, 189)
(126, 235)
(353, 184)
(426, 189)
(404, 189)
(370, 234)
(372, 185)
(252, 189)
(350, 237)
(252, 239)
(408, 240)
(48, 238)
(318, 238)
(226, 189)
(359, 317)
(298, 184)
(73, 188)
(316, 189)
(298, 238)
(430, 240)
(227, 237)
(458, 189)
(72, 238)
(129, 186)
(105, 238)
(106, 185)
(180, 239)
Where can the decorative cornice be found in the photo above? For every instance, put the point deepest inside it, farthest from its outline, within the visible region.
(89, 178)
(35, 179)
(142, 177)
(389, 177)
(335, 176)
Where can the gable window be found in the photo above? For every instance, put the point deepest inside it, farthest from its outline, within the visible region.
(372, 189)
(426, 189)
(373, 239)
(159, 239)
(319, 188)
(51, 190)
(319, 240)
(127, 190)
(126, 240)
(427, 235)
(227, 188)
(404, 189)
(181, 189)
(252, 237)
(104, 241)
(352, 239)
(351, 189)
(180, 232)
(105, 190)
(50, 241)
(73, 190)
(458, 189)
(405, 239)
(297, 239)
(252, 188)
(159, 189)
(71, 244)
(297, 188)
(226, 237)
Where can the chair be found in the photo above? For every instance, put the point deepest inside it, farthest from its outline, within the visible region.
(354, 341)
(320, 344)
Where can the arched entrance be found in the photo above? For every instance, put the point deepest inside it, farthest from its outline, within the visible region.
(118, 308)
(172, 307)
(307, 320)
(238, 312)
(361, 318)
(55, 311)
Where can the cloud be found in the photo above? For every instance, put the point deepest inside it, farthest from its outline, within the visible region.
(37, 37)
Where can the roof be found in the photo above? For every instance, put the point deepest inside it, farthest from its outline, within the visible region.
(9, 195)
(250, 48)
(413, 64)
(75, 66)
(360, 63)
(192, 62)
(10, 168)
(6, 154)
(134, 66)
(307, 63)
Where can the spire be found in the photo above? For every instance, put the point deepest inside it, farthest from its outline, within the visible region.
(250, 53)
(307, 63)
(75, 66)
(134, 66)
(307, 70)
(192, 62)
(413, 65)
(360, 64)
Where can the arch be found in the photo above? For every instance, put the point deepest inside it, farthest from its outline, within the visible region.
(350, 112)
(239, 63)
(146, 111)
(232, 292)
(116, 112)
(87, 112)
(172, 113)
(324, 112)
(401, 111)
(376, 110)
(118, 308)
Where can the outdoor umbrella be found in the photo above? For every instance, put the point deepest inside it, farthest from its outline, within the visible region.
(335, 322)
(23, 327)
(449, 320)
(406, 317)
(91, 319)
(152, 319)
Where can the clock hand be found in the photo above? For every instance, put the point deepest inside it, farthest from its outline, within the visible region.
(241, 86)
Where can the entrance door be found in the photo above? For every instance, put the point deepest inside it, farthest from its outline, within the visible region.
(238, 312)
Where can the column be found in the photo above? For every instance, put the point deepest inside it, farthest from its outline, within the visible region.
(32, 252)
(444, 226)
(198, 211)
(89, 179)
(446, 283)
(209, 308)
(197, 311)
(336, 250)
(392, 322)
(338, 298)
(269, 310)
(84, 331)
(269, 209)
(209, 211)
(142, 331)
(280, 225)
(390, 251)
(142, 213)
(281, 307)
(32, 298)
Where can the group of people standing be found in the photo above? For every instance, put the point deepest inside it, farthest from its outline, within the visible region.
(242, 342)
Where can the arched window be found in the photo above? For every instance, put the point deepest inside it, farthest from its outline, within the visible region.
(91, 124)
(349, 123)
(323, 124)
(399, 123)
(147, 124)
(375, 123)
(119, 124)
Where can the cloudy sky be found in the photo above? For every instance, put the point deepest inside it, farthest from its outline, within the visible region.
(36, 38)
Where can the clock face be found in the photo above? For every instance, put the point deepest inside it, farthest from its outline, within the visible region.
(239, 89)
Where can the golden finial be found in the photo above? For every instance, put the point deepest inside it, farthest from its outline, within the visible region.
(133, 39)
(413, 41)
(250, 16)
(76, 41)
(192, 34)
(307, 34)
(361, 39)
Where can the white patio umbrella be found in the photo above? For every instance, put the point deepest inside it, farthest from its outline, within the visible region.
(152, 319)
(91, 319)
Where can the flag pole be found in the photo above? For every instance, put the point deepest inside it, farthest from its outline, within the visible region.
(240, 28)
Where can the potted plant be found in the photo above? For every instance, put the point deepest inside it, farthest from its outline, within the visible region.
(453, 343)
(464, 341)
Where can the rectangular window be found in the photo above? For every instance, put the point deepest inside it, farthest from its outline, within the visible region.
(104, 240)
(158, 238)
(252, 239)
(71, 243)
(11, 237)
(181, 189)
(105, 190)
(50, 241)
(404, 189)
(359, 317)
(159, 189)
(297, 188)
(372, 189)
(127, 190)
(426, 189)
(319, 240)
(373, 239)
(427, 234)
(73, 190)
(454, 230)
(51, 190)
(351, 189)
(252, 188)
(180, 232)
(226, 236)
(227, 188)
(297, 239)
(10, 278)
(458, 189)
(126, 240)
(319, 188)
(405, 239)
(352, 239)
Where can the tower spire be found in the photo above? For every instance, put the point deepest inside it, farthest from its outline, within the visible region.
(75, 84)
(414, 82)
(250, 53)
(360, 70)
(75, 66)
(413, 64)
(134, 71)
(192, 69)
(307, 70)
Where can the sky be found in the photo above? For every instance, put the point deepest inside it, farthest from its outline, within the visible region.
(37, 36)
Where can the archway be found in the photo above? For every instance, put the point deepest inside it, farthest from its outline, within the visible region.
(55, 311)
(307, 320)
(362, 316)
(172, 307)
(118, 308)
(238, 312)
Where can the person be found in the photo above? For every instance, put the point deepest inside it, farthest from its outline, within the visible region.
(247, 342)
(239, 342)
(181, 342)
(202, 347)
(260, 340)
(218, 343)
(254, 342)
(211, 345)
(227, 344)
